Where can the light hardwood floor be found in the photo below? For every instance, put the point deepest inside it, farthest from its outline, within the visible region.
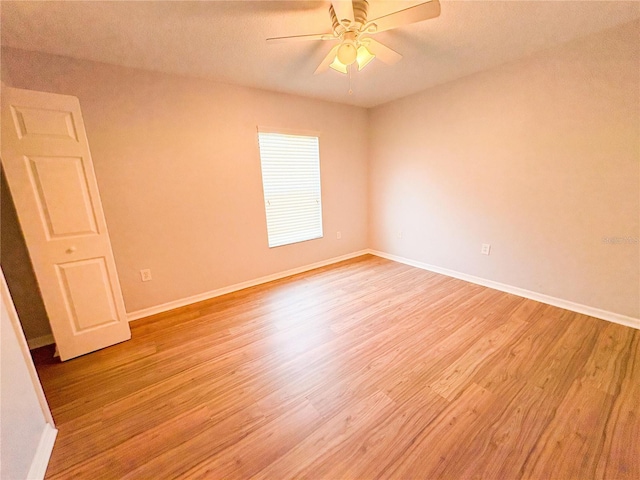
(364, 369)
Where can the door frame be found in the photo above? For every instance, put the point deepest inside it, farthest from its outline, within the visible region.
(45, 446)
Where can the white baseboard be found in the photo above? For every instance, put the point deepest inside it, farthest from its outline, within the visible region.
(43, 453)
(145, 312)
(521, 292)
(40, 341)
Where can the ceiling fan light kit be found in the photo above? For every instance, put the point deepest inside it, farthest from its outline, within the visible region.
(348, 50)
(351, 28)
(363, 57)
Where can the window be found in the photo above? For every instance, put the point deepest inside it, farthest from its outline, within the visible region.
(291, 184)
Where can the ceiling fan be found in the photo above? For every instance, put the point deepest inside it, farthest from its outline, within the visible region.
(353, 30)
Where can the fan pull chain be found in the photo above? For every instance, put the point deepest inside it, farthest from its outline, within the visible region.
(350, 89)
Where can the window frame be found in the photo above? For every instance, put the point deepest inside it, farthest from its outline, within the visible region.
(299, 133)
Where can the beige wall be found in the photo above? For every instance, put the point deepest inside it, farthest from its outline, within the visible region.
(178, 168)
(22, 420)
(539, 158)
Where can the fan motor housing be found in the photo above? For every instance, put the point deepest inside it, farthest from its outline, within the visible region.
(360, 11)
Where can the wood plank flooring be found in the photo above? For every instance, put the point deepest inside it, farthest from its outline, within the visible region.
(363, 369)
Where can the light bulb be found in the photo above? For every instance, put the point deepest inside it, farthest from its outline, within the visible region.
(347, 52)
(337, 66)
(364, 57)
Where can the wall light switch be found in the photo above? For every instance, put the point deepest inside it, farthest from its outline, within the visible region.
(338, 235)
(145, 275)
(399, 233)
(486, 249)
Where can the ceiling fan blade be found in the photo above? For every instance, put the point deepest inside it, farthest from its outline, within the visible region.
(414, 14)
(343, 9)
(324, 66)
(382, 52)
(297, 38)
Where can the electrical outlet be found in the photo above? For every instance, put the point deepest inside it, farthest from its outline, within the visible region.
(145, 275)
(338, 235)
(399, 233)
(486, 249)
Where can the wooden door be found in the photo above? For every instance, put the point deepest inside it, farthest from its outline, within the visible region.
(46, 158)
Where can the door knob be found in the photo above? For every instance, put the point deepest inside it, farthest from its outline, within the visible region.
(71, 249)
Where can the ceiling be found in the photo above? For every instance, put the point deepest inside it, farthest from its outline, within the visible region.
(225, 40)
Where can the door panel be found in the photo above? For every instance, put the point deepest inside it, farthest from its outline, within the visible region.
(46, 158)
(63, 195)
(88, 293)
(31, 122)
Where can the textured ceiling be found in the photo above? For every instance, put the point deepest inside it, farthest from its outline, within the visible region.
(225, 40)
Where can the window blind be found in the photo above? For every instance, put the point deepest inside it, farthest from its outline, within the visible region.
(291, 184)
